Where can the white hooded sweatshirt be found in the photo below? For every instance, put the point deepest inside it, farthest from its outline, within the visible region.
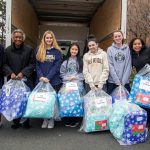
(95, 68)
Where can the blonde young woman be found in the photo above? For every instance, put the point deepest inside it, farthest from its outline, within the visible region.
(48, 62)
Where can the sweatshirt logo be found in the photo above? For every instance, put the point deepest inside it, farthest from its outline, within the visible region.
(50, 58)
(119, 57)
(95, 60)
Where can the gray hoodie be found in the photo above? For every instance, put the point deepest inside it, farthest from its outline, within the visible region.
(119, 64)
(70, 69)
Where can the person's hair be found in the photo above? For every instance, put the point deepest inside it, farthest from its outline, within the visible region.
(79, 59)
(123, 40)
(132, 41)
(42, 48)
(18, 31)
(90, 38)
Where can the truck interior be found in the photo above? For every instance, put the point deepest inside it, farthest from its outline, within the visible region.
(70, 20)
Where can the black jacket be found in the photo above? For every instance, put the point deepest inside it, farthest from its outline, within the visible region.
(141, 59)
(18, 60)
(1, 65)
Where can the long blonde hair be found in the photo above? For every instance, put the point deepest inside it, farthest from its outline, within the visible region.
(42, 48)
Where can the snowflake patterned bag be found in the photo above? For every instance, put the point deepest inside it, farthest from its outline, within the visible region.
(119, 94)
(140, 91)
(41, 102)
(127, 123)
(13, 99)
(70, 99)
(97, 106)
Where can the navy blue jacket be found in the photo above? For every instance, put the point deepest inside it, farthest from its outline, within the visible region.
(50, 67)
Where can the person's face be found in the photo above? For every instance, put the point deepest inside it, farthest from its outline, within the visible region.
(48, 39)
(93, 46)
(137, 45)
(17, 39)
(74, 51)
(117, 37)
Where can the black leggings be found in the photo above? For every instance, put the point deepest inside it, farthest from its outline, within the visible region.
(112, 86)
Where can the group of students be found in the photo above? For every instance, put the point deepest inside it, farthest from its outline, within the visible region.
(97, 70)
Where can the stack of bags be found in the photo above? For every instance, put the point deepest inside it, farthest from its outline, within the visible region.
(127, 123)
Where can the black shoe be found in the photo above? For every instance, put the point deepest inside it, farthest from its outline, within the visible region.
(1, 125)
(16, 126)
(26, 125)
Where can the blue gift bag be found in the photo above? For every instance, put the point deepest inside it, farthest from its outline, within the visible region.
(70, 100)
(41, 102)
(135, 128)
(13, 99)
(140, 91)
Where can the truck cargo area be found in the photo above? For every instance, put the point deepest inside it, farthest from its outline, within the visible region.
(70, 20)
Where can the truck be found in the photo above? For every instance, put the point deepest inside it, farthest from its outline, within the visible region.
(70, 20)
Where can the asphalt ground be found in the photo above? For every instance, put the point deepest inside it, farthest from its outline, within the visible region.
(60, 138)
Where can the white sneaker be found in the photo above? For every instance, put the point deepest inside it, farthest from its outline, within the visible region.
(51, 123)
(45, 123)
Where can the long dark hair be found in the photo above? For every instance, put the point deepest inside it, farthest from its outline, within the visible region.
(90, 38)
(131, 44)
(79, 59)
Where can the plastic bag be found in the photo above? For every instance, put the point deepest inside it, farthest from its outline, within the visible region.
(97, 105)
(127, 123)
(13, 99)
(140, 91)
(41, 102)
(119, 94)
(70, 99)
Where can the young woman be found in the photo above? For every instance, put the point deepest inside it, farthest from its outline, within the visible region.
(95, 66)
(71, 71)
(140, 55)
(48, 64)
(119, 63)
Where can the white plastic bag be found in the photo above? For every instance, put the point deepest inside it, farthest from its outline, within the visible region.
(120, 94)
(13, 99)
(97, 105)
(41, 102)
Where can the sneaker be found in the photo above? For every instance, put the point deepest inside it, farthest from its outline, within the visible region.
(16, 126)
(45, 124)
(51, 123)
(74, 124)
(67, 124)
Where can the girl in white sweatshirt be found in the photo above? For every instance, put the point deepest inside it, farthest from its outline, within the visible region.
(95, 66)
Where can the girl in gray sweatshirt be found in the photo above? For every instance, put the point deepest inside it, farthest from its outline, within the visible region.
(119, 63)
(71, 71)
